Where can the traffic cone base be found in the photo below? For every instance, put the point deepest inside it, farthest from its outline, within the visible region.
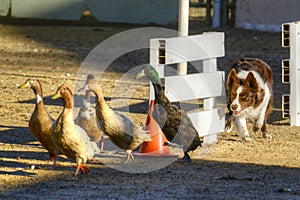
(156, 146)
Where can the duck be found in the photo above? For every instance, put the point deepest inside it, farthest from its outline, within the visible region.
(122, 131)
(41, 122)
(86, 119)
(71, 139)
(172, 120)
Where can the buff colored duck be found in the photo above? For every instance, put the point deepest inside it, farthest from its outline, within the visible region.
(123, 132)
(86, 119)
(71, 139)
(173, 120)
(40, 122)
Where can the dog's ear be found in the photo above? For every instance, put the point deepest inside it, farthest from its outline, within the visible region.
(251, 82)
(232, 78)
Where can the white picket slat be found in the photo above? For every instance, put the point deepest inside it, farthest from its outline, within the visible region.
(194, 86)
(192, 48)
(208, 122)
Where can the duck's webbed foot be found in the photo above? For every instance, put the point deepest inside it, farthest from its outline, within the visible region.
(130, 157)
(186, 158)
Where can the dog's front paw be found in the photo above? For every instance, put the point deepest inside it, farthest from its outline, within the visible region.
(266, 135)
(255, 129)
(228, 125)
(246, 138)
(228, 129)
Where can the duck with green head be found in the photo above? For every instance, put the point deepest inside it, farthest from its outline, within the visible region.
(172, 120)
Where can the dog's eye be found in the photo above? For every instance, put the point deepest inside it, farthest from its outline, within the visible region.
(243, 97)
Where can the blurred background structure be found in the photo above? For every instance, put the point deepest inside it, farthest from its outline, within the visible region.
(120, 11)
(248, 14)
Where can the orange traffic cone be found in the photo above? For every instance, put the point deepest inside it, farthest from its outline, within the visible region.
(156, 146)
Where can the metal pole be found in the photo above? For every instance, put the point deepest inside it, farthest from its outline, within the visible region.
(183, 30)
(217, 13)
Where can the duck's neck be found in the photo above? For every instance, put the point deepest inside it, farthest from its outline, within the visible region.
(158, 89)
(100, 99)
(39, 99)
(159, 94)
(88, 96)
(40, 107)
(67, 113)
(38, 95)
(68, 102)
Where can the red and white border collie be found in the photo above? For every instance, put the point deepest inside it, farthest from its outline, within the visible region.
(250, 96)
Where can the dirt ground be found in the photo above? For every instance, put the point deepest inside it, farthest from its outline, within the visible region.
(230, 169)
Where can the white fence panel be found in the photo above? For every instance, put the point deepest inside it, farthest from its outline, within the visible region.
(207, 85)
(194, 86)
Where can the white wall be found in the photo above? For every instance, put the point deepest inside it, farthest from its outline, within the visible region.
(266, 14)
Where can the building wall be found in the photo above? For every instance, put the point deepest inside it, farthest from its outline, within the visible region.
(127, 11)
(266, 14)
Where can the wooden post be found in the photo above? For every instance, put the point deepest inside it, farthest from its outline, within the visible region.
(183, 30)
